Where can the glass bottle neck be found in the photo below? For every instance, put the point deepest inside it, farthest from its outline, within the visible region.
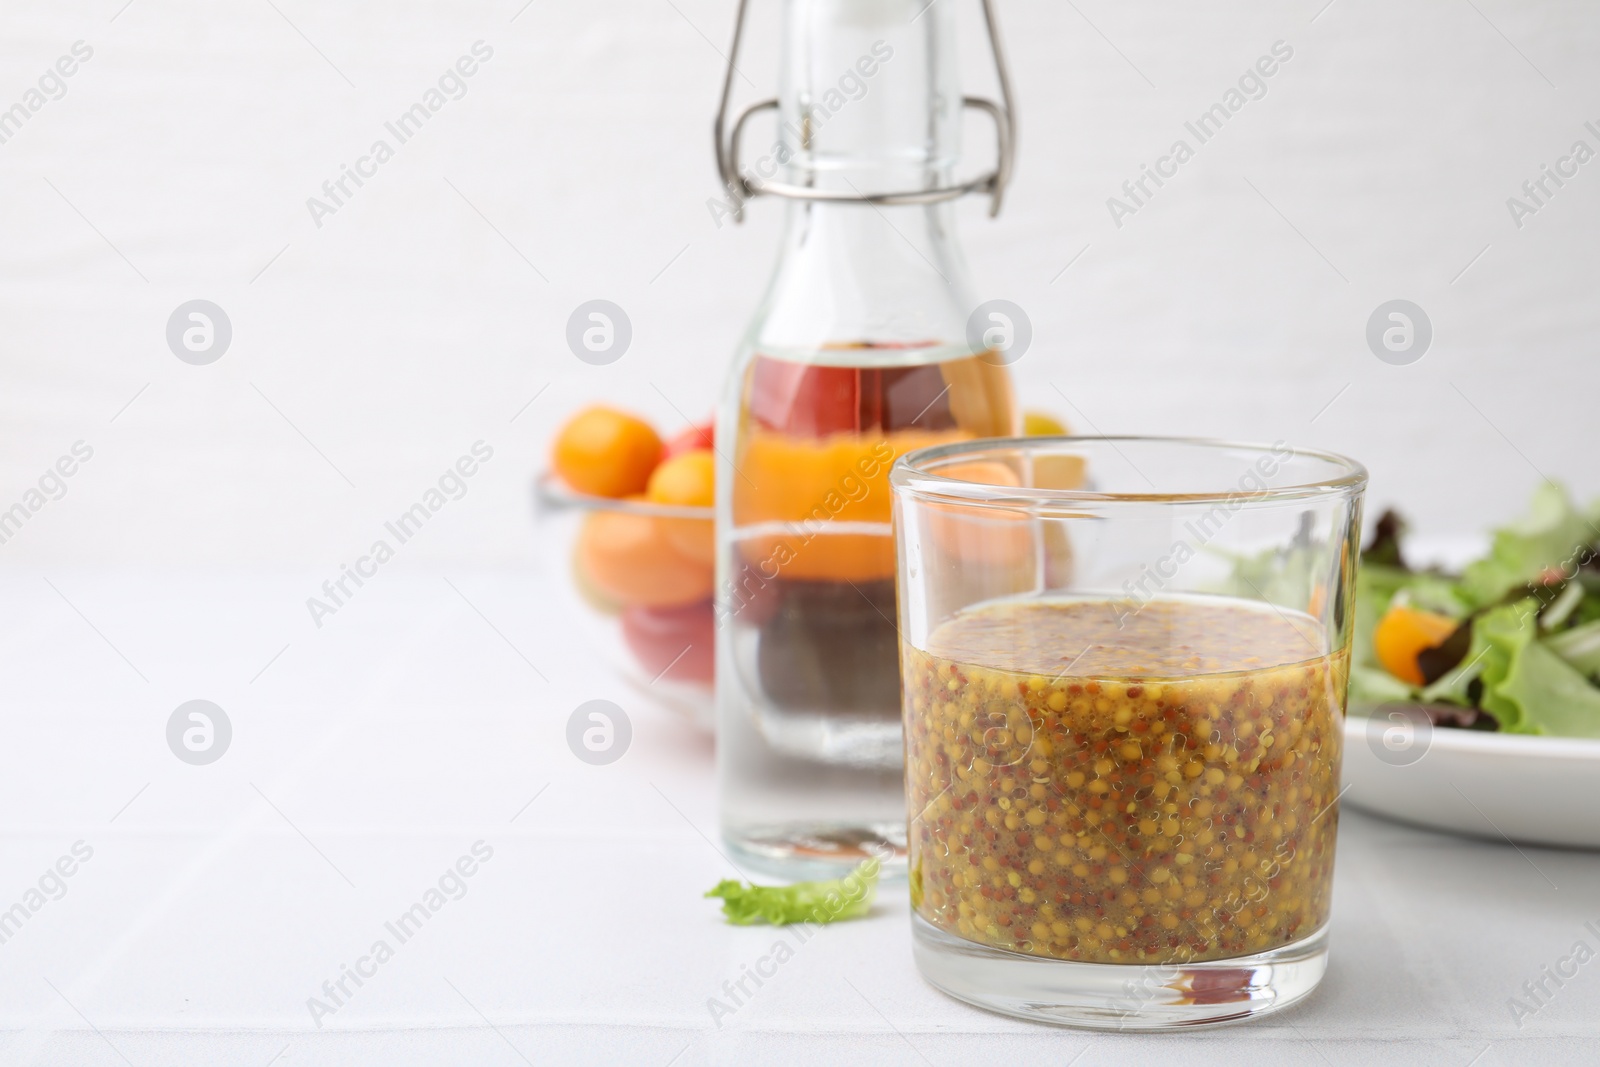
(869, 102)
(870, 95)
(891, 277)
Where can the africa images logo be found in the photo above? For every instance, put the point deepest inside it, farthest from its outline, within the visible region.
(451, 885)
(337, 191)
(52, 85)
(1252, 85)
(452, 485)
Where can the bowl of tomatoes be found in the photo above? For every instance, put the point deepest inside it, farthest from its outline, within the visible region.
(630, 516)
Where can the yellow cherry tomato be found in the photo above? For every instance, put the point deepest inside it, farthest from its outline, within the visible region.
(687, 480)
(1040, 424)
(1402, 633)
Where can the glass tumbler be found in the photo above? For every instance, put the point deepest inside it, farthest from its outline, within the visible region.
(1123, 667)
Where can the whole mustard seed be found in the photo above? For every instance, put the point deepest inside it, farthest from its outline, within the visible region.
(1172, 799)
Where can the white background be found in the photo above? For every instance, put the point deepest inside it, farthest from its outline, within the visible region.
(405, 328)
(371, 352)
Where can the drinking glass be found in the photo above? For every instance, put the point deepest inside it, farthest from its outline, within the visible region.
(1123, 666)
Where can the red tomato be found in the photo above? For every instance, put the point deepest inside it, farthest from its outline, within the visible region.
(702, 436)
(674, 642)
(808, 401)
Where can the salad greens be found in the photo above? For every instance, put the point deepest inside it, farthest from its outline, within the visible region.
(1552, 535)
(1527, 687)
(1579, 646)
(1524, 652)
(745, 904)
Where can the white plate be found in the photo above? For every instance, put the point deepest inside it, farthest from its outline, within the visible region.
(1533, 790)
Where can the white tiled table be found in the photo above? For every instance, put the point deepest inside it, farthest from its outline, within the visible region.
(373, 753)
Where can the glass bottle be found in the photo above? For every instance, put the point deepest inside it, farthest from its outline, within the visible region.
(858, 353)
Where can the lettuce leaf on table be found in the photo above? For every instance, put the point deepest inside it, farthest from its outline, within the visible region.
(745, 904)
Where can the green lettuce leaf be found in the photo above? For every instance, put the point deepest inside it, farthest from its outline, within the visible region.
(1371, 686)
(745, 904)
(1589, 607)
(1550, 535)
(1579, 646)
(1279, 575)
(1438, 593)
(1527, 687)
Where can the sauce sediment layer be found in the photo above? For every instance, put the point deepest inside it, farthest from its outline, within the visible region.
(1156, 793)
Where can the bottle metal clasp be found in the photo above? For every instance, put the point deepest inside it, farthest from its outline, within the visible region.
(993, 183)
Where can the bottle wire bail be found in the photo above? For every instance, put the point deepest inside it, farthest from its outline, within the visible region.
(993, 183)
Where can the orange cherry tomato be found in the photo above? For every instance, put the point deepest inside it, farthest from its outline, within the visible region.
(1402, 633)
(629, 559)
(605, 452)
(982, 536)
(982, 471)
(688, 480)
